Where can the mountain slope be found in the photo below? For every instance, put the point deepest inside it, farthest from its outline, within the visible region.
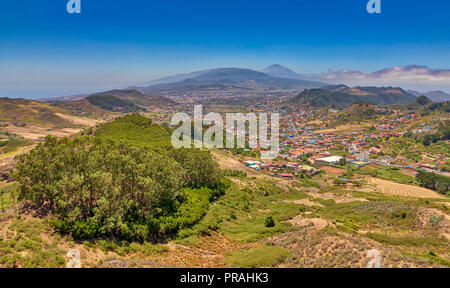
(343, 96)
(172, 79)
(24, 112)
(136, 97)
(112, 103)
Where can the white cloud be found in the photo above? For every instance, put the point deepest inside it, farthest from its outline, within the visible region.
(412, 76)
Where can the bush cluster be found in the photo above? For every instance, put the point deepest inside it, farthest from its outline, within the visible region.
(104, 186)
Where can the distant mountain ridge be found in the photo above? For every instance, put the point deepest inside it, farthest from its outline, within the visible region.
(282, 72)
(240, 82)
(239, 77)
(435, 96)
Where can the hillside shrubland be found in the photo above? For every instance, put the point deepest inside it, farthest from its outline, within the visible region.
(125, 182)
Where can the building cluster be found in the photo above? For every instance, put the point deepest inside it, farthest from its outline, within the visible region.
(306, 138)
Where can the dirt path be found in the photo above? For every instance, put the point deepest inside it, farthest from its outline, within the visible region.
(342, 198)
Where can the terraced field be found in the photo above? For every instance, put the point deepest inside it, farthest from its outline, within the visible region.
(405, 190)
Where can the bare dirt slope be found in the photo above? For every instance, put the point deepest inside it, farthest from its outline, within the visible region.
(229, 162)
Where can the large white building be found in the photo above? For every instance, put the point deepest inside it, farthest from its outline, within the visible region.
(330, 160)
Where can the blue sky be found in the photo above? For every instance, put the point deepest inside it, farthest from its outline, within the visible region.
(44, 51)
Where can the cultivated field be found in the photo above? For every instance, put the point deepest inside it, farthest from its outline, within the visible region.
(405, 190)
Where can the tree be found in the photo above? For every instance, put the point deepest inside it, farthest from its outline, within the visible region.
(127, 181)
(339, 182)
(269, 222)
(439, 183)
(357, 183)
(201, 170)
(102, 184)
(342, 162)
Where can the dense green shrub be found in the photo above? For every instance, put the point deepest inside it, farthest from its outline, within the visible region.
(338, 181)
(84, 230)
(269, 222)
(200, 169)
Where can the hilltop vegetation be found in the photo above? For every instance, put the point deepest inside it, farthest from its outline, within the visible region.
(322, 98)
(136, 128)
(115, 185)
(356, 112)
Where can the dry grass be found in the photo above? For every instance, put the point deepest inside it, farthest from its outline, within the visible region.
(229, 162)
(78, 120)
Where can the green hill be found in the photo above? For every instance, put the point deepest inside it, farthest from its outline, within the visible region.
(136, 97)
(361, 110)
(343, 96)
(419, 103)
(322, 98)
(112, 103)
(425, 106)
